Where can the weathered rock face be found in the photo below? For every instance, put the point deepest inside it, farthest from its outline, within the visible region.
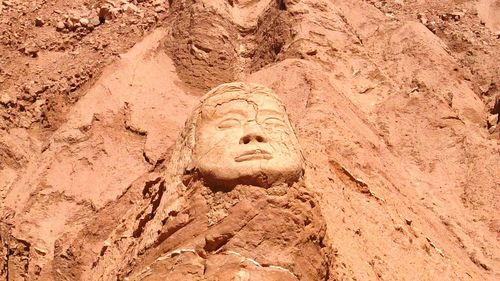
(248, 233)
(395, 105)
(14, 256)
(214, 42)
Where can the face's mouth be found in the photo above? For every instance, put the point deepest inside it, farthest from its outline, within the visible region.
(254, 154)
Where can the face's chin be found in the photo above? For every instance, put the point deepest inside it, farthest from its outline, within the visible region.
(254, 169)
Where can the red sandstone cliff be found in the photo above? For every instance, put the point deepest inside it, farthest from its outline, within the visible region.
(395, 104)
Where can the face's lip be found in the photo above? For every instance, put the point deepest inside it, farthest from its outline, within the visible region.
(253, 154)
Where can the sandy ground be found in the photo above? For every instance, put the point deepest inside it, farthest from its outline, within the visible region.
(395, 104)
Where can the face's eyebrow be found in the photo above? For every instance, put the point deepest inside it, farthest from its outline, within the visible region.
(232, 111)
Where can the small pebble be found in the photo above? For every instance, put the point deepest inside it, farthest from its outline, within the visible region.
(84, 22)
(60, 26)
(39, 22)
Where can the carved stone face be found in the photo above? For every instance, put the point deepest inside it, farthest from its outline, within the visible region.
(246, 139)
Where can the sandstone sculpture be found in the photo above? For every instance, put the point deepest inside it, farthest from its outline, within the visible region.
(232, 204)
(242, 135)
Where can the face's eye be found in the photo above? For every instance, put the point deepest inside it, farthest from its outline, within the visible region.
(229, 123)
(274, 122)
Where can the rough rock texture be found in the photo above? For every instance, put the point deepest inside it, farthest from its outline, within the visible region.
(395, 104)
(267, 234)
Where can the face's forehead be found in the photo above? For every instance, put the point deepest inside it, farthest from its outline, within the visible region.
(238, 102)
(267, 103)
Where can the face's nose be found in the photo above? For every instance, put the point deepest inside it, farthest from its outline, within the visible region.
(252, 134)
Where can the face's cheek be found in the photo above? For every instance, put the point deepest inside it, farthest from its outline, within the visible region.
(284, 148)
(279, 138)
(214, 144)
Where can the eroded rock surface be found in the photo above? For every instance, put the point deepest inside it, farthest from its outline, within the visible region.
(395, 104)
